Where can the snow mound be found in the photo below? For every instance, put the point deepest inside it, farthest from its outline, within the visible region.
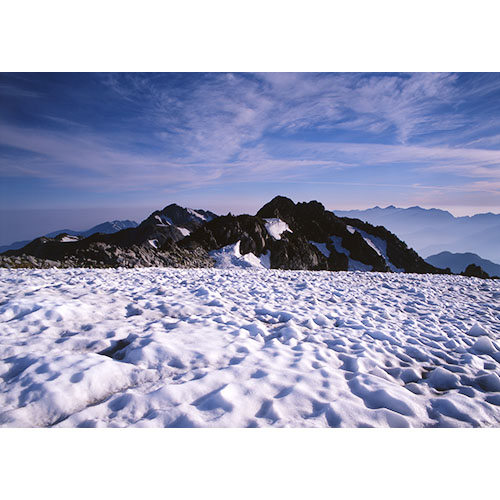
(230, 257)
(477, 331)
(484, 345)
(443, 380)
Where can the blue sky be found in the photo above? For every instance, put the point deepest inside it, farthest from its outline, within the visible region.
(103, 146)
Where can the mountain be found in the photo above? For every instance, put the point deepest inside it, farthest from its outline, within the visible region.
(282, 235)
(458, 262)
(285, 235)
(151, 243)
(431, 231)
(105, 228)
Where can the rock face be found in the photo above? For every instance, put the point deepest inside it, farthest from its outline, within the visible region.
(291, 236)
(152, 243)
(347, 240)
(314, 239)
(290, 252)
(475, 271)
(102, 255)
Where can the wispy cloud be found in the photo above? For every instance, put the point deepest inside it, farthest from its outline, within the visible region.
(175, 132)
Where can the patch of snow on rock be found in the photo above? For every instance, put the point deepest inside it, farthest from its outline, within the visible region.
(352, 265)
(163, 220)
(198, 215)
(322, 248)
(69, 239)
(337, 244)
(276, 227)
(380, 246)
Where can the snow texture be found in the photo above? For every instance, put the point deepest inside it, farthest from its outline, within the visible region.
(276, 227)
(247, 348)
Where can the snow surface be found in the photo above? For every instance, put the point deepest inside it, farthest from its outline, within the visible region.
(184, 231)
(243, 348)
(153, 243)
(276, 227)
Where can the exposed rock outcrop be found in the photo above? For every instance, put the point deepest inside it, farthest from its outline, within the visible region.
(289, 235)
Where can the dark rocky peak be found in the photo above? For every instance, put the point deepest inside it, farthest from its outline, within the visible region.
(285, 209)
(186, 219)
(279, 207)
(306, 217)
(312, 210)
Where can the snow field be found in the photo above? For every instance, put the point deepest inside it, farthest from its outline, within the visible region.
(247, 348)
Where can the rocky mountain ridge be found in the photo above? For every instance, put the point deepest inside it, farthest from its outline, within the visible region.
(108, 227)
(282, 235)
(458, 262)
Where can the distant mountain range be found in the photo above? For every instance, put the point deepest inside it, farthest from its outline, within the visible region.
(105, 228)
(282, 235)
(458, 262)
(430, 231)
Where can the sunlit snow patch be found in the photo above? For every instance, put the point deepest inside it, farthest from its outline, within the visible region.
(276, 227)
(206, 218)
(230, 256)
(153, 243)
(69, 239)
(184, 231)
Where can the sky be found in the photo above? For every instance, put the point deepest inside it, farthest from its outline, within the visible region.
(77, 149)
